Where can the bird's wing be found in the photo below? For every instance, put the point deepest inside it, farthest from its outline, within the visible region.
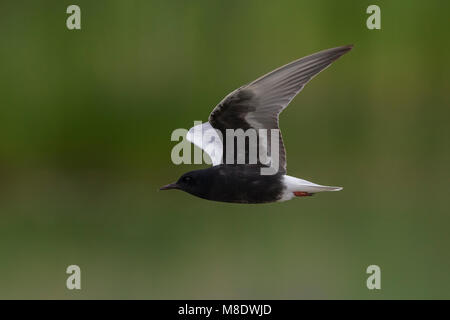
(258, 104)
(207, 138)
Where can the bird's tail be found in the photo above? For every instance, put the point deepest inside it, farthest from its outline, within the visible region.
(300, 186)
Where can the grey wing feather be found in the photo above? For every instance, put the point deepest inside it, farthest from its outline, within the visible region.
(258, 104)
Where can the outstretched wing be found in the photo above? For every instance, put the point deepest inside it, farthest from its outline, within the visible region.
(258, 104)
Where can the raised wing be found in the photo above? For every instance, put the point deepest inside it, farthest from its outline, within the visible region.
(258, 104)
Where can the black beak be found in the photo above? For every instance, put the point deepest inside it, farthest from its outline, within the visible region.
(169, 186)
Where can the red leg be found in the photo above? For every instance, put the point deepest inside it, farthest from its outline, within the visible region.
(302, 194)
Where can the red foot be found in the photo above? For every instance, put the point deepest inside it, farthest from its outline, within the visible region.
(302, 194)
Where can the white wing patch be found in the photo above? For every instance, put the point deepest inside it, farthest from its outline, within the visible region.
(208, 139)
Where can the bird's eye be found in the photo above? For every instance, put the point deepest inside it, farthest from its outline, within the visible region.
(187, 179)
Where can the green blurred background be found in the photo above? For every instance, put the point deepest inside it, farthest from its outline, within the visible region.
(86, 118)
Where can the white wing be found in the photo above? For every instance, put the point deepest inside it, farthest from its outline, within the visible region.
(208, 139)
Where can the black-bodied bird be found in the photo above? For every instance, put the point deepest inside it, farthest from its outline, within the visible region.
(256, 105)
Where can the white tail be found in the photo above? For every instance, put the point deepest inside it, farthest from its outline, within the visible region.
(293, 184)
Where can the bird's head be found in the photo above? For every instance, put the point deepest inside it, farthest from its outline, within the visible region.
(193, 182)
